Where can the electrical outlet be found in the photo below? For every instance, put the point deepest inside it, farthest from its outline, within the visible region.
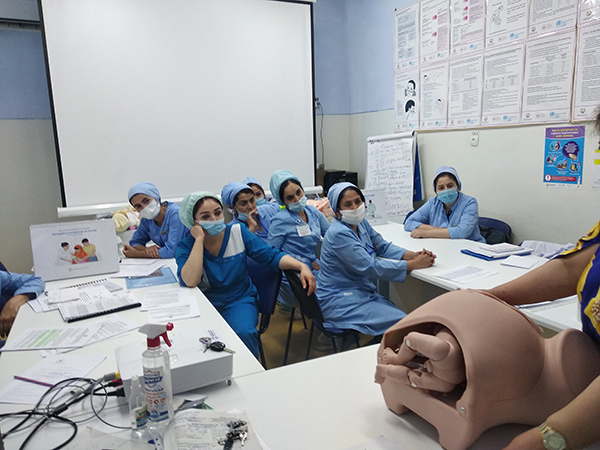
(474, 138)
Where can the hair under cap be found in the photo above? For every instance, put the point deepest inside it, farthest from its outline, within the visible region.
(277, 179)
(230, 190)
(145, 188)
(186, 209)
(335, 191)
(451, 171)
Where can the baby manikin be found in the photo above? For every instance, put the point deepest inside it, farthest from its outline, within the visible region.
(466, 362)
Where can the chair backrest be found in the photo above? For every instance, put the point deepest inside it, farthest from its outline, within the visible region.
(408, 215)
(495, 224)
(309, 305)
(267, 284)
(2, 268)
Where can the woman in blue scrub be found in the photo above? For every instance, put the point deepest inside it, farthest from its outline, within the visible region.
(15, 290)
(159, 223)
(214, 259)
(450, 214)
(240, 198)
(353, 254)
(297, 229)
(268, 208)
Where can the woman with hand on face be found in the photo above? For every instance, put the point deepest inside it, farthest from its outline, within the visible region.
(159, 223)
(214, 259)
(241, 199)
(450, 214)
(353, 254)
(297, 229)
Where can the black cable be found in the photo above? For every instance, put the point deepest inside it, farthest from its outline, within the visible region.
(101, 409)
(320, 106)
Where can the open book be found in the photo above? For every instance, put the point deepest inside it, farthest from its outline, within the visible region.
(496, 251)
(203, 429)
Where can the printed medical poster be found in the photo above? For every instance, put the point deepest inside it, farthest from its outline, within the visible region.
(390, 167)
(586, 96)
(407, 100)
(74, 249)
(596, 169)
(506, 21)
(406, 48)
(468, 26)
(465, 89)
(502, 83)
(548, 78)
(563, 154)
(375, 205)
(434, 96)
(435, 30)
(551, 15)
(589, 11)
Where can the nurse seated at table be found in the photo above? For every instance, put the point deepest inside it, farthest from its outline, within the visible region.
(15, 290)
(353, 254)
(260, 197)
(159, 223)
(296, 230)
(450, 214)
(214, 258)
(240, 198)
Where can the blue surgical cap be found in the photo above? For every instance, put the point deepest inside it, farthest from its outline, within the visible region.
(186, 209)
(144, 188)
(277, 179)
(450, 170)
(333, 194)
(230, 190)
(252, 180)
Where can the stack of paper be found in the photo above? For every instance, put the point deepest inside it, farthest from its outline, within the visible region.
(168, 305)
(496, 251)
(96, 301)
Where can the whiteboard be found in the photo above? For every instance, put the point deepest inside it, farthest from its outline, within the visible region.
(187, 94)
(390, 167)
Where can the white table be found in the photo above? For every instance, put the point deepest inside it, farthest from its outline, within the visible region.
(15, 363)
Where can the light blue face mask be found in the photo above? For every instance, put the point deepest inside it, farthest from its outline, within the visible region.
(243, 216)
(448, 196)
(260, 201)
(298, 206)
(212, 227)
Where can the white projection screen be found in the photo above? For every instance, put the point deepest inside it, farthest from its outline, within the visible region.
(187, 94)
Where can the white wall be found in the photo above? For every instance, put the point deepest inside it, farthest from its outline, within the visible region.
(504, 173)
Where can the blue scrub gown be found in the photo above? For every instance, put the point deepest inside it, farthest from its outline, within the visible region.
(166, 237)
(463, 222)
(225, 280)
(265, 212)
(347, 296)
(284, 234)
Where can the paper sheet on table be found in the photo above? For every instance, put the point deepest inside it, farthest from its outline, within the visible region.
(523, 262)
(379, 443)
(138, 270)
(165, 298)
(62, 295)
(112, 326)
(90, 439)
(464, 274)
(138, 261)
(49, 370)
(58, 337)
(561, 313)
(186, 309)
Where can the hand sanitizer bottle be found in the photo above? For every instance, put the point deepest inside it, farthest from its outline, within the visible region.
(138, 413)
(157, 377)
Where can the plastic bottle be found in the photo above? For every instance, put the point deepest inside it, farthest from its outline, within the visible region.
(138, 413)
(157, 376)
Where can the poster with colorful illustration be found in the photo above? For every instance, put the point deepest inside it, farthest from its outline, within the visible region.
(563, 156)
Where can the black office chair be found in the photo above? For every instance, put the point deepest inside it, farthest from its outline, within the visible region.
(267, 284)
(2, 268)
(310, 308)
(494, 231)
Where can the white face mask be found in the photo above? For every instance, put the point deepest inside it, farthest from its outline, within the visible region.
(353, 216)
(151, 210)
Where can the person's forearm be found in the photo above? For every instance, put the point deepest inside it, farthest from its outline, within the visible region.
(289, 263)
(578, 421)
(434, 232)
(191, 273)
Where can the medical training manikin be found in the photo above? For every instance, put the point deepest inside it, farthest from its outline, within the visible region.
(466, 362)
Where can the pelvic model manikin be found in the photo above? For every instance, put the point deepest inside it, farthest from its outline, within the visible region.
(466, 361)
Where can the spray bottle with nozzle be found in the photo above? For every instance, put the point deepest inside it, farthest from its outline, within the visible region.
(157, 375)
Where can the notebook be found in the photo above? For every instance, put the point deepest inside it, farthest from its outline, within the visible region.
(74, 249)
(98, 303)
(495, 251)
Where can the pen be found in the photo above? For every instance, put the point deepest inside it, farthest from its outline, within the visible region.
(29, 380)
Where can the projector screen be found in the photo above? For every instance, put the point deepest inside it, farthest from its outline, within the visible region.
(187, 94)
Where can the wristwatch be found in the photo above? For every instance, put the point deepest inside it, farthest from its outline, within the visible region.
(551, 438)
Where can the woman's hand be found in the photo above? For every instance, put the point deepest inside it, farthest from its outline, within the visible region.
(198, 232)
(152, 251)
(315, 265)
(530, 440)
(417, 233)
(308, 280)
(253, 221)
(421, 261)
(9, 312)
